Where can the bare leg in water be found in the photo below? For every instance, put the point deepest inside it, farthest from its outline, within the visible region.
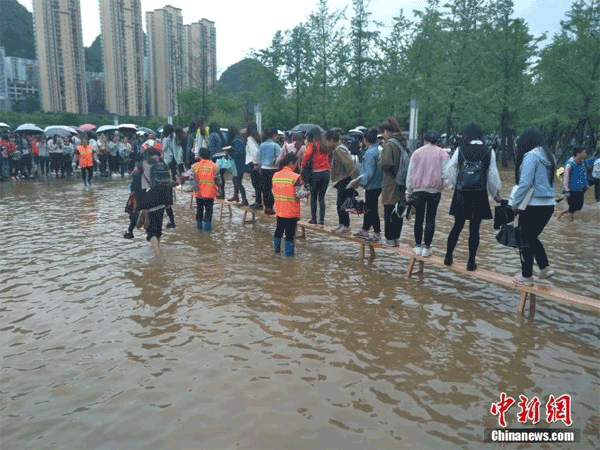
(155, 244)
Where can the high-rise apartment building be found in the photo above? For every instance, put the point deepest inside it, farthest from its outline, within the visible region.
(166, 50)
(4, 102)
(201, 40)
(23, 80)
(123, 48)
(59, 47)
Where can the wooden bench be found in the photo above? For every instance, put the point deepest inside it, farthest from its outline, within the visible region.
(418, 263)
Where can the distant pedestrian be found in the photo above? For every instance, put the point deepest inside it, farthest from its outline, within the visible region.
(574, 182)
(252, 142)
(84, 155)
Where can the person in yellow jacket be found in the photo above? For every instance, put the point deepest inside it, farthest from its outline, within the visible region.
(287, 192)
(206, 175)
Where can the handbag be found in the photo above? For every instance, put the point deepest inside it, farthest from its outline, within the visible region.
(131, 204)
(511, 236)
(306, 172)
(503, 214)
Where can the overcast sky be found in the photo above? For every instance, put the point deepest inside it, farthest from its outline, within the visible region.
(242, 25)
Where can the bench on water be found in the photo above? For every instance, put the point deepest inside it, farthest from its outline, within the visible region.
(416, 266)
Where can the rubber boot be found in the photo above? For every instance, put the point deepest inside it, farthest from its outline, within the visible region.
(277, 244)
(289, 248)
(207, 226)
(199, 225)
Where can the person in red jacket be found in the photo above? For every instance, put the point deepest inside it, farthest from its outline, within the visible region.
(287, 192)
(317, 155)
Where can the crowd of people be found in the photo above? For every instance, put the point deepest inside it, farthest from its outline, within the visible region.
(286, 167)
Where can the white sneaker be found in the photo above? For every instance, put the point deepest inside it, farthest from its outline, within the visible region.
(426, 252)
(361, 234)
(337, 229)
(418, 250)
(343, 230)
(520, 279)
(546, 273)
(389, 242)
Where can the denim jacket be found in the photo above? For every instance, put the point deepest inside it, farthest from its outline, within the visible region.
(370, 177)
(536, 174)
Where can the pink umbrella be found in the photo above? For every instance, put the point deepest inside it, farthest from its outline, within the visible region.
(87, 127)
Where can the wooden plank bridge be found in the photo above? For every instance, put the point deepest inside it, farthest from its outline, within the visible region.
(416, 265)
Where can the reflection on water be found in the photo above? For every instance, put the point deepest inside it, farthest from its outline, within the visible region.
(221, 344)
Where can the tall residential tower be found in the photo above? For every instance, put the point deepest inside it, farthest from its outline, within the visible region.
(123, 49)
(59, 47)
(166, 49)
(201, 40)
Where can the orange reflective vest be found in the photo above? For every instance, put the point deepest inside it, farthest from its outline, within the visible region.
(284, 192)
(204, 173)
(85, 156)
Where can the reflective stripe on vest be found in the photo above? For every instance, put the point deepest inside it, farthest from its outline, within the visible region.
(85, 156)
(204, 173)
(284, 193)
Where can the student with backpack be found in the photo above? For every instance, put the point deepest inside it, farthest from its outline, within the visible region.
(342, 168)
(157, 193)
(424, 185)
(472, 172)
(394, 159)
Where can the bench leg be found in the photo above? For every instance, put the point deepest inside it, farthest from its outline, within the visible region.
(362, 252)
(192, 201)
(411, 267)
(372, 251)
(302, 235)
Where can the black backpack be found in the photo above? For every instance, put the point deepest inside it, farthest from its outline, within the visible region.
(471, 175)
(160, 176)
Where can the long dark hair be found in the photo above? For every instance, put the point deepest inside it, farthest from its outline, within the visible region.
(232, 133)
(252, 130)
(315, 137)
(473, 132)
(531, 138)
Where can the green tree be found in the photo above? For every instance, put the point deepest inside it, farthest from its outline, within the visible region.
(502, 90)
(362, 40)
(567, 76)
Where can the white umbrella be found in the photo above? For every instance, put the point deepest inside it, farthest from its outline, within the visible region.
(29, 128)
(60, 130)
(105, 128)
(4, 125)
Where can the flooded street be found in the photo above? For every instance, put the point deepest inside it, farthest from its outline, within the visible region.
(223, 344)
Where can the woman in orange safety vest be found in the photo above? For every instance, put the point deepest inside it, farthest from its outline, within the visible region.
(206, 174)
(85, 155)
(287, 192)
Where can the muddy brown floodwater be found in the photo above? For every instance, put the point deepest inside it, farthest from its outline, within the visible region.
(222, 344)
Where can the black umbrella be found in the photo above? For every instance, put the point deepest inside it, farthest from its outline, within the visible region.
(127, 128)
(306, 127)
